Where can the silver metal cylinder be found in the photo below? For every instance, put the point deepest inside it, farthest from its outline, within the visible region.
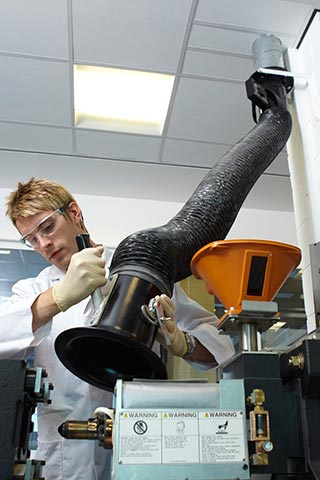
(248, 338)
(267, 52)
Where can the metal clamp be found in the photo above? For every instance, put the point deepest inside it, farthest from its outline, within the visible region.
(154, 314)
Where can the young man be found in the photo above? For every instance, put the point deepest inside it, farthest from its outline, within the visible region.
(48, 219)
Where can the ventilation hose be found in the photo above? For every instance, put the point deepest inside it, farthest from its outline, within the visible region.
(162, 255)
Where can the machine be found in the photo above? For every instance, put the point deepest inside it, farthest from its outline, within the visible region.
(21, 389)
(261, 418)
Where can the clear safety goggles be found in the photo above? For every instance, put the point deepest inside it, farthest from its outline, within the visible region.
(45, 228)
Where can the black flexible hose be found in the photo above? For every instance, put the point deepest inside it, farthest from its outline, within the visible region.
(162, 255)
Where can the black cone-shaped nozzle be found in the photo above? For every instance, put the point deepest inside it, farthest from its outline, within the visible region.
(121, 346)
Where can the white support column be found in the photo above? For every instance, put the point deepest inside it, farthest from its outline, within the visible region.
(304, 153)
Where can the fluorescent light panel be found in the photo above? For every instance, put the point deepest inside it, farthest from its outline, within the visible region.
(121, 100)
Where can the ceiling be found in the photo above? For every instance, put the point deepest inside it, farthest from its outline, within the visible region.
(206, 44)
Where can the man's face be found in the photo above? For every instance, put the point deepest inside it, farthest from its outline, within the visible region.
(59, 246)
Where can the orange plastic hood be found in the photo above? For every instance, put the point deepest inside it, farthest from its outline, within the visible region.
(236, 270)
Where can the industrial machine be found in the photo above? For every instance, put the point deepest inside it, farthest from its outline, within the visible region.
(262, 415)
(21, 389)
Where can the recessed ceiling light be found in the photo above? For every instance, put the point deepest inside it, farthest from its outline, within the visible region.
(121, 100)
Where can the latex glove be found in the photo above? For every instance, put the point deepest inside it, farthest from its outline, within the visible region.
(174, 339)
(85, 273)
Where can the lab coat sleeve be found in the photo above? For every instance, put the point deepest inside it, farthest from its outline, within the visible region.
(196, 320)
(16, 335)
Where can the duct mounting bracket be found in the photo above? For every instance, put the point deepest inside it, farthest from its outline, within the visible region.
(301, 79)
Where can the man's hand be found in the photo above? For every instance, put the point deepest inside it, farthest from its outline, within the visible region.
(85, 273)
(176, 340)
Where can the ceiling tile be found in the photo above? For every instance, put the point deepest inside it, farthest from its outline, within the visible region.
(106, 34)
(213, 111)
(35, 91)
(221, 40)
(94, 176)
(198, 154)
(34, 27)
(24, 165)
(117, 145)
(204, 154)
(36, 138)
(278, 16)
(217, 66)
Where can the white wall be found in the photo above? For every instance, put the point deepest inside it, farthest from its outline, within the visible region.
(111, 219)
(304, 154)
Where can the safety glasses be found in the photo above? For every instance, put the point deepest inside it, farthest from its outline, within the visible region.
(45, 228)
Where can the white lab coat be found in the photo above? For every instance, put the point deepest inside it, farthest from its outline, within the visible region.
(73, 399)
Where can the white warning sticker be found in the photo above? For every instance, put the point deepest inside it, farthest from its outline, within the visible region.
(221, 436)
(168, 437)
(180, 437)
(140, 437)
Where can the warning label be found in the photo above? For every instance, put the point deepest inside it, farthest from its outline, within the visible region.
(221, 436)
(140, 437)
(181, 437)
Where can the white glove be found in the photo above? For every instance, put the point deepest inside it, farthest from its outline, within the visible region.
(85, 273)
(174, 339)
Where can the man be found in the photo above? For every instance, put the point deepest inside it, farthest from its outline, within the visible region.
(48, 219)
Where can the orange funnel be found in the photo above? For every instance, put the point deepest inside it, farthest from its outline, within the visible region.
(236, 270)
